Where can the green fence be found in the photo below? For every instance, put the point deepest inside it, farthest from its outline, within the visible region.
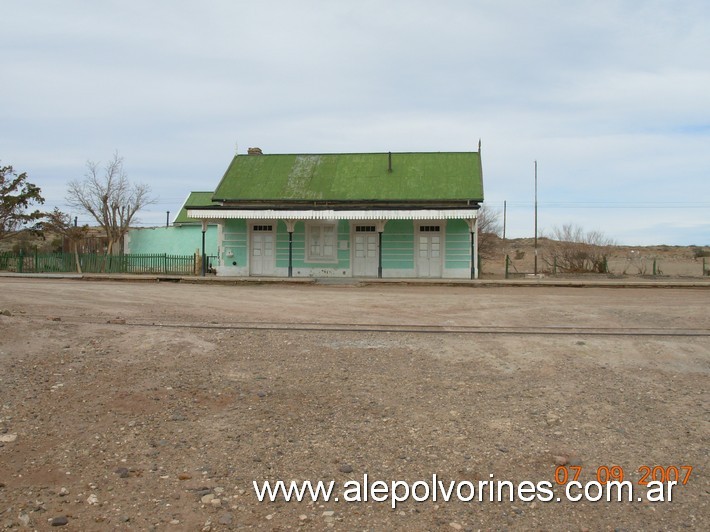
(94, 263)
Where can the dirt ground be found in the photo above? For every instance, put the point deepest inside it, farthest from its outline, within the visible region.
(154, 406)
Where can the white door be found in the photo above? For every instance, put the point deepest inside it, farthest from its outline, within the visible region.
(262, 250)
(365, 251)
(429, 251)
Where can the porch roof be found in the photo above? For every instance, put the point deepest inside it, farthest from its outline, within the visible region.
(326, 214)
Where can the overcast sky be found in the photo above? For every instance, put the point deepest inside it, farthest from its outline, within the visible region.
(612, 98)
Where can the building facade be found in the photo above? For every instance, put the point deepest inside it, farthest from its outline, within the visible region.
(392, 215)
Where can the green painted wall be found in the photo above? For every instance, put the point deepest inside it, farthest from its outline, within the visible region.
(173, 240)
(398, 245)
(299, 247)
(234, 242)
(458, 244)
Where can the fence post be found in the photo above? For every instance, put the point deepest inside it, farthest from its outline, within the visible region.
(506, 266)
(165, 264)
(20, 261)
(554, 266)
(654, 267)
(36, 260)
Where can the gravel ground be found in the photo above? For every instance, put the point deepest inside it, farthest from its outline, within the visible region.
(155, 406)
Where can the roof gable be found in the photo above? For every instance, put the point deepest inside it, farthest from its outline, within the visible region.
(194, 200)
(353, 177)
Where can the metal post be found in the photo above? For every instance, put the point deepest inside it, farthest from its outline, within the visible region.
(379, 255)
(507, 261)
(505, 213)
(475, 247)
(535, 217)
(473, 256)
(204, 257)
(167, 219)
(290, 253)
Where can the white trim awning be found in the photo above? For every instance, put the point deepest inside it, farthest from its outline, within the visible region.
(383, 214)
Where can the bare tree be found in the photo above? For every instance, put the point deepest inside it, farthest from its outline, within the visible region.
(573, 250)
(108, 196)
(489, 229)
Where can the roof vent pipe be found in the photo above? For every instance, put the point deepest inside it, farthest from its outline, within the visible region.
(389, 167)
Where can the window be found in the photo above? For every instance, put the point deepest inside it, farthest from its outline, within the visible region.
(320, 243)
(429, 228)
(263, 228)
(364, 228)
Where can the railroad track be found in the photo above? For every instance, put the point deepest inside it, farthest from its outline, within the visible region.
(544, 330)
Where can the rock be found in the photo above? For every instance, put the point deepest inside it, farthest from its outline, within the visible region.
(455, 526)
(5, 312)
(117, 321)
(206, 499)
(216, 502)
(54, 318)
(24, 519)
(63, 492)
(184, 476)
(59, 521)
(328, 513)
(560, 460)
(226, 519)
(92, 499)
(345, 468)
(575, 461)
(552, 419)
(178, 416)
(122, 472)
(7, 438)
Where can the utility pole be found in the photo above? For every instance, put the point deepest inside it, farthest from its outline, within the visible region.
(536, 218)
(505, 209)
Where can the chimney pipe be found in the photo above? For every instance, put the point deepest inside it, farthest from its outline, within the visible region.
(254, 151)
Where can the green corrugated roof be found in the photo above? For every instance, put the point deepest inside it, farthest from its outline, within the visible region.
(353, 176)
(195, 199)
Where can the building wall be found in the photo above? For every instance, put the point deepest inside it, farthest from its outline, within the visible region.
(457, 249)
(173, 240)
(398, 250)
(233, 235)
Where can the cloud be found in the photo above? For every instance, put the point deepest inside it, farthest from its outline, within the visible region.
(609, 97)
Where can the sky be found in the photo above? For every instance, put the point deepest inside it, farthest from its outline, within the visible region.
(611, 98)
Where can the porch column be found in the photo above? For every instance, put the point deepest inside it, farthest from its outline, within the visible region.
(204, 257)
(473, 225)
(290, 226)
(380, 226)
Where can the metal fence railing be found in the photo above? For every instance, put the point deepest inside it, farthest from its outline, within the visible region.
(98, 263)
